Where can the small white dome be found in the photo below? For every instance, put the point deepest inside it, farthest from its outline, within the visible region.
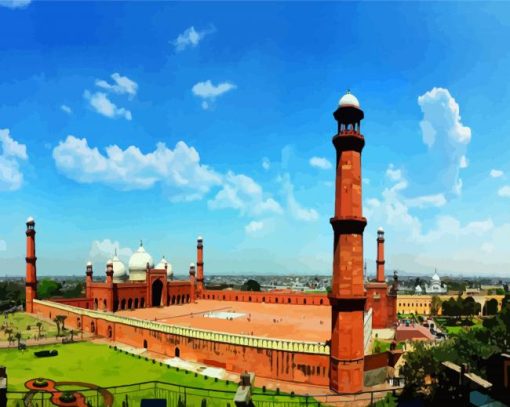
(435, 277)
(380, 229)
(418, 289)
(348, 100)
(200, 238)
(164, 264)
(192, 265)
(119, 269)
(30, 220)
(109, 262)
(138, 264)
(89, 263)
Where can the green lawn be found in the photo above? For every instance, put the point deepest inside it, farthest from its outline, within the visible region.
(20, 321)
(385, 345)
(100, 365)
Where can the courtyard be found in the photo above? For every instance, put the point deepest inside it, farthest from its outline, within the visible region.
(280, 321)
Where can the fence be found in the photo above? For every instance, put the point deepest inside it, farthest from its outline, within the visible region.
(182, 396)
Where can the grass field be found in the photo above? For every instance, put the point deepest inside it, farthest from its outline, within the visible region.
(19, 322)
(100, 365)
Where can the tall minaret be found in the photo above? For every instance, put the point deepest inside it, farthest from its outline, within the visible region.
(31, 275)
(347, 295)
(88, 280)
(192, 282)
(200, 267)
(380, 256)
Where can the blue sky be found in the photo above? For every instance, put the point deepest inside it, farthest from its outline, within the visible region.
(163, 121)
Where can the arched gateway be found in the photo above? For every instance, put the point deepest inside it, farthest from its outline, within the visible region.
(157, 290)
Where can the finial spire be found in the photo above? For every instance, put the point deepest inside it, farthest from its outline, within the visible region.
(115, 252)
(348, 92)
(141, 243)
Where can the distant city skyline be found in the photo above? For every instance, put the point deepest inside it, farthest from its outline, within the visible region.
(160, 122)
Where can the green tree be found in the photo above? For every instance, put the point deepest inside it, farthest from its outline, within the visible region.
(250, 285)
(435, 304)
(18, 337)
(48, 288)
(39, 325)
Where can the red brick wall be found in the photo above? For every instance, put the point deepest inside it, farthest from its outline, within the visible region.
(275, 364)
(272, 297)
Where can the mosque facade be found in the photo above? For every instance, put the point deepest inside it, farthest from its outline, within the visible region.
(339, 363)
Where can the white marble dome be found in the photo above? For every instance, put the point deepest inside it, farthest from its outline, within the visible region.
(348, 100)
(138, 264)
(436, 277)
(163, 263)
(418, 289)
(120, 273)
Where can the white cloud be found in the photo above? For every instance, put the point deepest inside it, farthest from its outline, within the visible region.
(101, 104)
(294, 207)
(13, 4)
(504, 191)
(253, 227)
(104, 250)
(3, 246)
(446, 136)
(66, 109)
(393, 174)
(179, 171)
(496, 173)
(190, 38)
(463, 162)
(11, 155)
(122, 85)
(244, 194)
(206, 90)
(266, 164)
(320, 162)
(424, 201)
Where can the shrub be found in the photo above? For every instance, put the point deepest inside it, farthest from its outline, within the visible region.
(67, 397)
(263, 389)
(292, 394)
(153, 362)
(161, 363)
(40, 382)
(215, 380)
(196, 374)
(277, 390)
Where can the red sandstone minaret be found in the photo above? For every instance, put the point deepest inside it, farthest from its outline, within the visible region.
(200, 266)
(347, 295)
(192, 281)
(88, 280)
(109, 284)
(380, 256)
(31, 274)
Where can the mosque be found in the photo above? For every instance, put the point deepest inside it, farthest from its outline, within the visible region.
(435, 286)
(316, 338)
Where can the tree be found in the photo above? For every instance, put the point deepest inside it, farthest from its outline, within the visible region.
(491, 307)
(39, 325)
(18, 337)
(48, 288)
(435, 304)
(250, 285)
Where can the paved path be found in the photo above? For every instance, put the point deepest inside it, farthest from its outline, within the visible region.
(41, 342)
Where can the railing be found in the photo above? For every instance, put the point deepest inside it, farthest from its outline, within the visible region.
(319, 348)
(176, 395)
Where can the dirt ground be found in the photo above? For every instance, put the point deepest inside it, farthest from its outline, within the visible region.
(280, 321)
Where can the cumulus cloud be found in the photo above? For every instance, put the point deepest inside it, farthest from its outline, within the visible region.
(179, 171)
(424, 201)
(266, 164)
(504, 191)
(66, 109)
(253, 227)
(496, 173)
(296, 210)
(244, 194)
(121, 85)
(101, 104)
(12, 154)
(104, 250)
(446, 136)
(190, 38)
(320, 162)
(393, 173)
(14, 4)
(208, 92)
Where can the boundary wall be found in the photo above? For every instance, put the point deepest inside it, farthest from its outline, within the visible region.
(298, 361)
